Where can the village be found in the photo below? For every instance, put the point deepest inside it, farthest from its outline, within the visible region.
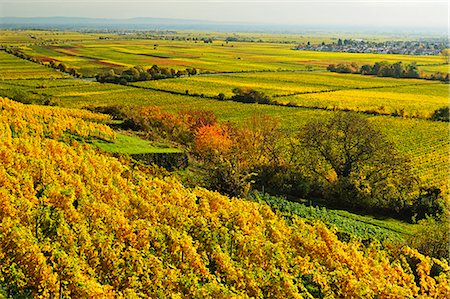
(433, 47)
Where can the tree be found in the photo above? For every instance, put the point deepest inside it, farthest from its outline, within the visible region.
(249, 95)
(446, 55)
(412, 71)
(355, 163)
(398, 70)
(378, 66)
(366, 69)
(62, 67)
(441, 114)
(221, 96)
(432, 237)
(192, 71)
(216, 146)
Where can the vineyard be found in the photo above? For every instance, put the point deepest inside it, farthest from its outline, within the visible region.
(425, 142)
(347, 225)
(188, 164)
(89, 55)
(13, 68)
(321, 90)
(78, 223)
(275, 84)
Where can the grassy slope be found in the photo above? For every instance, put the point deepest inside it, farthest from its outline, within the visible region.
(124, 144)
(359, 226)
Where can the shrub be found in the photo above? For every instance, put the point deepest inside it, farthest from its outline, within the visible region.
(249, 95)
(441, 114)
(433, 237)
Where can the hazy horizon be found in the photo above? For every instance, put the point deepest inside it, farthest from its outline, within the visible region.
(385, 14)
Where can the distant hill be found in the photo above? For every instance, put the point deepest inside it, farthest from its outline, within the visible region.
(133, 23)
(150, 23)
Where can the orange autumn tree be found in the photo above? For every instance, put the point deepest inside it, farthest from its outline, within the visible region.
(213, 142)
(218, 148)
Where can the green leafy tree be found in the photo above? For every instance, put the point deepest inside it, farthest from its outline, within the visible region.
(249, 95)
(441, 114)
(412, 71)
(366, 69)
(398, 70)
(355, 163)
(446, 55)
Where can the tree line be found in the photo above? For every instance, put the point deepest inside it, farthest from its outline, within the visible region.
(52, 63)
(385, 69)
(139, 73)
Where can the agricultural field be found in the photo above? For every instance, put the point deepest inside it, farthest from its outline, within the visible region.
(430, 68)
(411, 97)
(13, 68)
(93, 56)
(363, 227)
(32, 36)
(307, 85)
(325, 185)
(275, 84)
(15, 37)
(166, 233)
(425, 142)
(413, 100)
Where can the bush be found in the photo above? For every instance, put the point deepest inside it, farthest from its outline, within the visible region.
(441, 114)
(221, 96)
(249, 95)
(433, 237)
(138, 73)
(429, 203)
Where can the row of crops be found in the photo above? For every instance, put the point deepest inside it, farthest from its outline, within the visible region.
(347, 225)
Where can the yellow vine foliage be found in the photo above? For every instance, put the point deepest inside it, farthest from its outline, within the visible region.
(19, 120)
(80, 224)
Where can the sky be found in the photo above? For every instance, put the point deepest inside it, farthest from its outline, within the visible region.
(400, 13)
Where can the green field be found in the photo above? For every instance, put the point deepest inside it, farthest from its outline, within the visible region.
(130, 145)
(362, 227)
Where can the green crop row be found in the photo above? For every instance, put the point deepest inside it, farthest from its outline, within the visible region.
(346, 224)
